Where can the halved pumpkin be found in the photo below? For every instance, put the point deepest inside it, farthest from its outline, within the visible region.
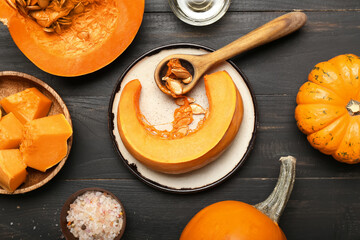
(109, 26)
(194, 150)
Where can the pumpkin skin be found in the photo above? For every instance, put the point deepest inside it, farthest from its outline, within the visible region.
(193, 151)
(231, 220)
(328, 108)
(67, 54)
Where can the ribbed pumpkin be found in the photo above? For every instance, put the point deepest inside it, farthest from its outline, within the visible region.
(328, 108)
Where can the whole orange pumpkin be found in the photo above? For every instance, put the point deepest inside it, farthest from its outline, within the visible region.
(328, 108)
(233, 220)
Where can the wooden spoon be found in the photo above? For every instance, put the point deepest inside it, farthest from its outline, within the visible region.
(197, 65)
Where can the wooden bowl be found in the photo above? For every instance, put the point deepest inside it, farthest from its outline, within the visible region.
(13, 82)
(66, 207)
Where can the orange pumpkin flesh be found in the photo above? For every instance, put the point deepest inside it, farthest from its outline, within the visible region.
(45, 141)
(194, 150)
(27, 105)
(329, 107)
(12, 169)
(11, 132)
(231, 220)
(112, 25)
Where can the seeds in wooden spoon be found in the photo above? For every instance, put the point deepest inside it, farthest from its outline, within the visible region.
(177, 72)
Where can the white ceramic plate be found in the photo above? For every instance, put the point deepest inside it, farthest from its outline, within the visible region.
(158, 109)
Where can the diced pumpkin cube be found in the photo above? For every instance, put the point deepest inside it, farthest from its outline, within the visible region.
(10, 132)
(12, 169)
(27, 105)
(45, 142)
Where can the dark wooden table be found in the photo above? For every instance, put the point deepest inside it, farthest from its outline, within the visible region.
(325, 203)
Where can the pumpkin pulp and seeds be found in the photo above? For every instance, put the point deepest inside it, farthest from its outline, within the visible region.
(51, 15)
(176, 76)
(183, 117)
(71, 27)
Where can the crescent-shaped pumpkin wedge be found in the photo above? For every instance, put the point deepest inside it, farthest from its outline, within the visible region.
(192, 151)
(328, 108)
(72, 37)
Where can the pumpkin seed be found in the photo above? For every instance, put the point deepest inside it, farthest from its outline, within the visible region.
(182, 122)
(33, 8)
(33, 2)
(197, 109)
(184, 130)
(62, 2)
(43, 3)
(21, 3)
(187, 80)
(174, 86)
(57, 28)
(49, 30)
(12, 3)
(79, 8)
(22, 10)
(181, 101)
(181, 73)
(64, 21)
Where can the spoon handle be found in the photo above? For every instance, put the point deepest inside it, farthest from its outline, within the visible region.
(275, 29)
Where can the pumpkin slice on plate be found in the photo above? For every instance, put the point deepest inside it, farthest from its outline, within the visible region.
(192, 151)
(80, 37)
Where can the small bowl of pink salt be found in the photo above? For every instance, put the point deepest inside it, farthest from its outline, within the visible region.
(93, 213)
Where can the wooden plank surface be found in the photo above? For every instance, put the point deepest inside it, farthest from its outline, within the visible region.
(274, 5)
(325, 201)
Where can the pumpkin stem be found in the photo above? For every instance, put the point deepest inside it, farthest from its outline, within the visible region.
(353, 107)
(274, 205)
